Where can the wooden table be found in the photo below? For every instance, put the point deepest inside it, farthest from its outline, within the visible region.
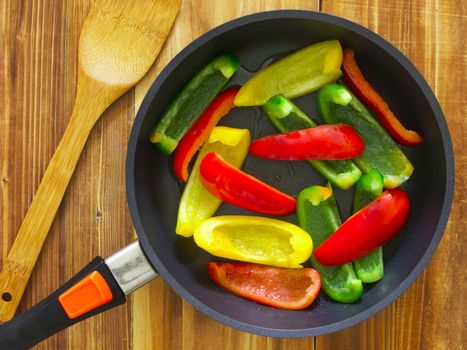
(38, 80)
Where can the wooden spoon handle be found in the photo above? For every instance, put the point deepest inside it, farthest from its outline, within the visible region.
(22, 257)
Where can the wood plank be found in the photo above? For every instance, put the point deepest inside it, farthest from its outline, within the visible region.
(431, 314)
(175, 324)
(39, 67)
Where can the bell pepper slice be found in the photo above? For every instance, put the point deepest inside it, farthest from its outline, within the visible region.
(324, 142)
(196, 203)
(318, 214)
(192, 100)
(338, 105)
(297, 74)
(367, 229)
(287, 117)
(242, 190)
(254, 239)
(292, 289)
(369, 268)
(200, 131)
(363, 89)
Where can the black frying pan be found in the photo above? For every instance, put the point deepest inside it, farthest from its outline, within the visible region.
(154, 193)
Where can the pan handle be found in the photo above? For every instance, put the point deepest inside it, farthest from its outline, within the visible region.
(100, 286)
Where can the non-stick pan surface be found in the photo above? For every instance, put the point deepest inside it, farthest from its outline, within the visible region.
(154, 192)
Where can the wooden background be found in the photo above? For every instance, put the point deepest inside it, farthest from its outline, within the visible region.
(37, 86)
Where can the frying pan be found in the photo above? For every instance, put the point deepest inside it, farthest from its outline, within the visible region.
(154, 193)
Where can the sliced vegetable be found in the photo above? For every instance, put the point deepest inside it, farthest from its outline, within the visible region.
(363, 89)
(287, 117)
(338, 105)
(242, 190)
(297, 74)
(367, 229)
(254, 239)
(369, 268)
(192, 100)
(292, 289)
(200, 131)
(197, 204)
(318, 214)
(325, 142)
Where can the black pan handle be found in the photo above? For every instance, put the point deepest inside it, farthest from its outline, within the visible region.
(101, 285)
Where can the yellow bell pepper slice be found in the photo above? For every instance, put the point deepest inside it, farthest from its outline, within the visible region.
(254, 239)
(197, 204)
(297, 74)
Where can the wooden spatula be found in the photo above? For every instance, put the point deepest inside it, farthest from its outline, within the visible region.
(119, 42)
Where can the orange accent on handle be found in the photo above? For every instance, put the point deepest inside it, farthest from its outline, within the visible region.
(89, 293)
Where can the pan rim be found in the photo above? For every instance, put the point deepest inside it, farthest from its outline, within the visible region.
(411, 71)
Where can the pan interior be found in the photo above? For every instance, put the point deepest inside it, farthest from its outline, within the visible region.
(157, 192)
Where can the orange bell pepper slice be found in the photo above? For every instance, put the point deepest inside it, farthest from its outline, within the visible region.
(292, 289)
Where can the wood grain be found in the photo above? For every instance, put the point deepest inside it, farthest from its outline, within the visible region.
(37, 83)
(176, 325)
(431, 314)
(119, 42)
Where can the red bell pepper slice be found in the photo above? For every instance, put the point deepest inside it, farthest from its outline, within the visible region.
(362, 88)
(370, 227)
(325, 142)
(284, 288)
(199, 132)
(240, 189)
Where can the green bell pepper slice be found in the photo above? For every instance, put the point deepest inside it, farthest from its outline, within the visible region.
(191, 101)
(287, 117)
(197, 204)
(297, 74)
(338, 105)
(318, 214)
(369, 268)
